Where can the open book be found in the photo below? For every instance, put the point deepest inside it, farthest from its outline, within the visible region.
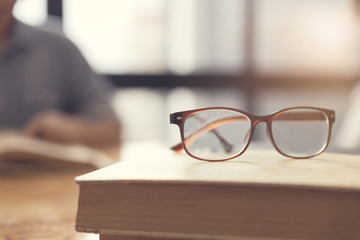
(17, 148)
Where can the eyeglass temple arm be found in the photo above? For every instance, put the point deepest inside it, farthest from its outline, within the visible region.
(177, 148)
(300, 116)
(224, 143)
(209, 127)
(227, 146)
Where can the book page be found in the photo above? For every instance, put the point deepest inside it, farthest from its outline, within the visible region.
(17, 148)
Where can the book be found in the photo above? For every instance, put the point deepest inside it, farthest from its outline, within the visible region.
(156, 194)
(19, 149)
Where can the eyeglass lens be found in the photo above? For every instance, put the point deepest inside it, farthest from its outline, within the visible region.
(216, 134)
(300, 133)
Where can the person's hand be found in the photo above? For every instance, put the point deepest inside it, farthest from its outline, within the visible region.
(55, 126)
(64, 128)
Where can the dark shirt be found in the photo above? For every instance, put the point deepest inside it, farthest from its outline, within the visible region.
(45, 71)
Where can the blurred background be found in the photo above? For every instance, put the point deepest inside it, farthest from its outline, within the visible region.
(162, 56)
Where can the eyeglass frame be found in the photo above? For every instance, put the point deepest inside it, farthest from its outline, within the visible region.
(178, 118)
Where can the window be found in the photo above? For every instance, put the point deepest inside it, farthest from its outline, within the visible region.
(32, 12)
(190, 37)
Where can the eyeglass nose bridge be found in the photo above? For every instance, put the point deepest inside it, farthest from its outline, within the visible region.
(261, 119)
(266, 120)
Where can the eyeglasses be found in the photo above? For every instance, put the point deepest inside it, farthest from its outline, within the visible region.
(220, 133)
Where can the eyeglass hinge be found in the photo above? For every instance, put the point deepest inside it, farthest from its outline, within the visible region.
(175, 118)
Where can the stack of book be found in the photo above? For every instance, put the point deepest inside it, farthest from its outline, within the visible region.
(260, 195)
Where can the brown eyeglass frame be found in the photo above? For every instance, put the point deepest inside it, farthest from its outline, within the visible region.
(179, 118)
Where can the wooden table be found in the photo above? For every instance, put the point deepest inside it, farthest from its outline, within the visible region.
(39, 201)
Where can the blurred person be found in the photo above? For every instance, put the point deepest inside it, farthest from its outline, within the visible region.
(47, 89)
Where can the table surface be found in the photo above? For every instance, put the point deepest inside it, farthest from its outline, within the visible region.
(39, 201)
